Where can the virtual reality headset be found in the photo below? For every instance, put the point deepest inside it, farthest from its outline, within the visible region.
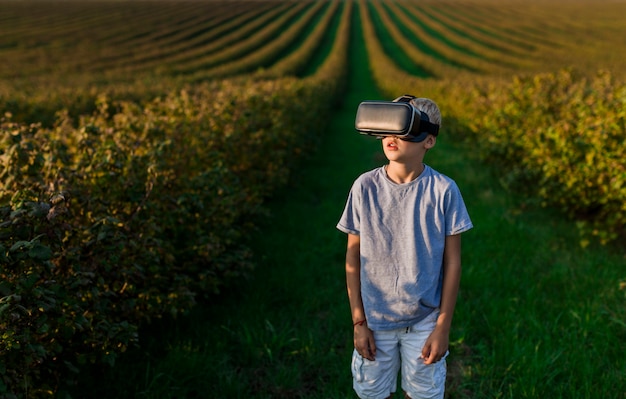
(394, 118)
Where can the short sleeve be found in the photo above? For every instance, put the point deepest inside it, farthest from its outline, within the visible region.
(457, 217)
(349, 222)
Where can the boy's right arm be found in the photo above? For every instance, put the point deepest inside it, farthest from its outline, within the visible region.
(363, 336)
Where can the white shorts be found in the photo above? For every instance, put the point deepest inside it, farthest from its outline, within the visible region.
(397, 350)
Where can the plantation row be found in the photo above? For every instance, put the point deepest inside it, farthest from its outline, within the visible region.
(97, 43)
(435, 51)
(143, 50)
(230, 54)
(137, 211)
(215, 35)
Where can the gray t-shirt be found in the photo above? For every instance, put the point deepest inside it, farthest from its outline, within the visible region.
(402, 229)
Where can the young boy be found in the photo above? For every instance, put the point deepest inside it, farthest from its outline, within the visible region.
(403, 265)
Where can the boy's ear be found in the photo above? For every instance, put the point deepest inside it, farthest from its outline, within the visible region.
(430, 141)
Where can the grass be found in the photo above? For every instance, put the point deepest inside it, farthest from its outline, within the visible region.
(537, 315)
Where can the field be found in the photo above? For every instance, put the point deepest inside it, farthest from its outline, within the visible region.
(171, 173)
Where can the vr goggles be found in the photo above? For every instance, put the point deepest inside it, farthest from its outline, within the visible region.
(394, 118)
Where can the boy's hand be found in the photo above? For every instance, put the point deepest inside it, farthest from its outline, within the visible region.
(435, 347)
(364, 342)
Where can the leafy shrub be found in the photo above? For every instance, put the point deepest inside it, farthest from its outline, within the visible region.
(131, 213)
(113, 219)
(560, 137)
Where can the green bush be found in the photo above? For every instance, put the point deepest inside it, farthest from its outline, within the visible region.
(560, 137)
(133, 212)
(113, 219)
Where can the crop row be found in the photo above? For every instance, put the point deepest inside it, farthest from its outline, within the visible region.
(249, 45)
(170, 41)
(412, 30)
(191, 41)
(463, 42)
(87, 43)
(264, 55)
(300, 60)
(226, 33)
(272, 36)
(92, 32)
(138, 210)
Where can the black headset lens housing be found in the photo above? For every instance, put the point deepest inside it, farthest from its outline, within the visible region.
(394, 118)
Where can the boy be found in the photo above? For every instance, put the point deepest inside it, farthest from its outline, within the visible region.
(403, 263)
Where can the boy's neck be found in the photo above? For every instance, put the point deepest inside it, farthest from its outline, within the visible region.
(402, 173)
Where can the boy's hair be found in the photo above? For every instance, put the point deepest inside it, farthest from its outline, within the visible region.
(429, 107)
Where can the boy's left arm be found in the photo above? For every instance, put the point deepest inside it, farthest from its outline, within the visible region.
(436, 345)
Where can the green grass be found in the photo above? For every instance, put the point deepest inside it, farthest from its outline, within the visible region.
(537, 316)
